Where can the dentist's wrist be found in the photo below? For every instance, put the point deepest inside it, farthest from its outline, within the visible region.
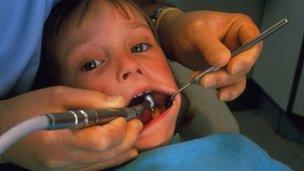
(162, 14)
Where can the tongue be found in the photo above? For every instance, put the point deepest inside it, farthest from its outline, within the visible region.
(145, 117)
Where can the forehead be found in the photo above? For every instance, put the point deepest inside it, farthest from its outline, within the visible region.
(99, 17)
(112, 10)
(90, 18)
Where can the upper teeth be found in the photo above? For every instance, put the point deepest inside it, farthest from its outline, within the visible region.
(140, 94)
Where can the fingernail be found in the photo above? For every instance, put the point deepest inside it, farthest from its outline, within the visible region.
(115, 101)
(136, 124)
(209, 82)
(134, 153)
(140, 124)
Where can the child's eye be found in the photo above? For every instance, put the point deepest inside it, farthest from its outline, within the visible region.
(141, 47)
(91, 65)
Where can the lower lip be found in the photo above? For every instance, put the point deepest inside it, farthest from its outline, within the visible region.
(155, 120)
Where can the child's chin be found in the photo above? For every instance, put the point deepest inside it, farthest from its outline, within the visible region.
(152, 142)
(159, 132)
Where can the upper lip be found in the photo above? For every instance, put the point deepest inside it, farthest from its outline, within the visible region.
(146, 89)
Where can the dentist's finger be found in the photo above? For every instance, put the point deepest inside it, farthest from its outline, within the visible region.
(244, 61)
(84, 156)
(100, 138)
(231, 92)
(209, 45)
(134, 127)
(76, 98)
(242, 31)
(221, 78)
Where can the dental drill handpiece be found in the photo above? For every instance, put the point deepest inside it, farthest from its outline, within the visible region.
(86, 118)
(71, 119)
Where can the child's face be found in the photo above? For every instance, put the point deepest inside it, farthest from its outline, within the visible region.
(116, 55)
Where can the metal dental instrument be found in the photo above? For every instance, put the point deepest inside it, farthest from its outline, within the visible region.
(149, 99)
(86, 118)
(235, 52)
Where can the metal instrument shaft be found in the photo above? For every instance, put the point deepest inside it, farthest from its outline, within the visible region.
(235, 52)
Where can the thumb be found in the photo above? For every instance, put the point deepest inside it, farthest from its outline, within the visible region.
(72, 98)
(209, 45)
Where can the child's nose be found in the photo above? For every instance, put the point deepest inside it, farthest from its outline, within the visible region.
(126, 75)
(129, 68)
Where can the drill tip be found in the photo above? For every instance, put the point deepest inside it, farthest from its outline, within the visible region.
(150, 101)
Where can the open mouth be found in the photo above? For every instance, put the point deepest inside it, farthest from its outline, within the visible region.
(161, 101)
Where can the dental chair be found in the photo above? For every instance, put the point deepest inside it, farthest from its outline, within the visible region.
(202, 112)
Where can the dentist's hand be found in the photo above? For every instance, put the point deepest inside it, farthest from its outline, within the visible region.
(189, 36)
(93, 148)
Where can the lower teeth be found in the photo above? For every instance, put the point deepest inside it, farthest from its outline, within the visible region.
(156, 112)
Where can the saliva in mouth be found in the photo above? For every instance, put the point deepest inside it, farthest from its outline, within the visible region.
(160, 105)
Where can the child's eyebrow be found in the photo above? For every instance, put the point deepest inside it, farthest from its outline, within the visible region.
(85, 43)
(136, 25)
